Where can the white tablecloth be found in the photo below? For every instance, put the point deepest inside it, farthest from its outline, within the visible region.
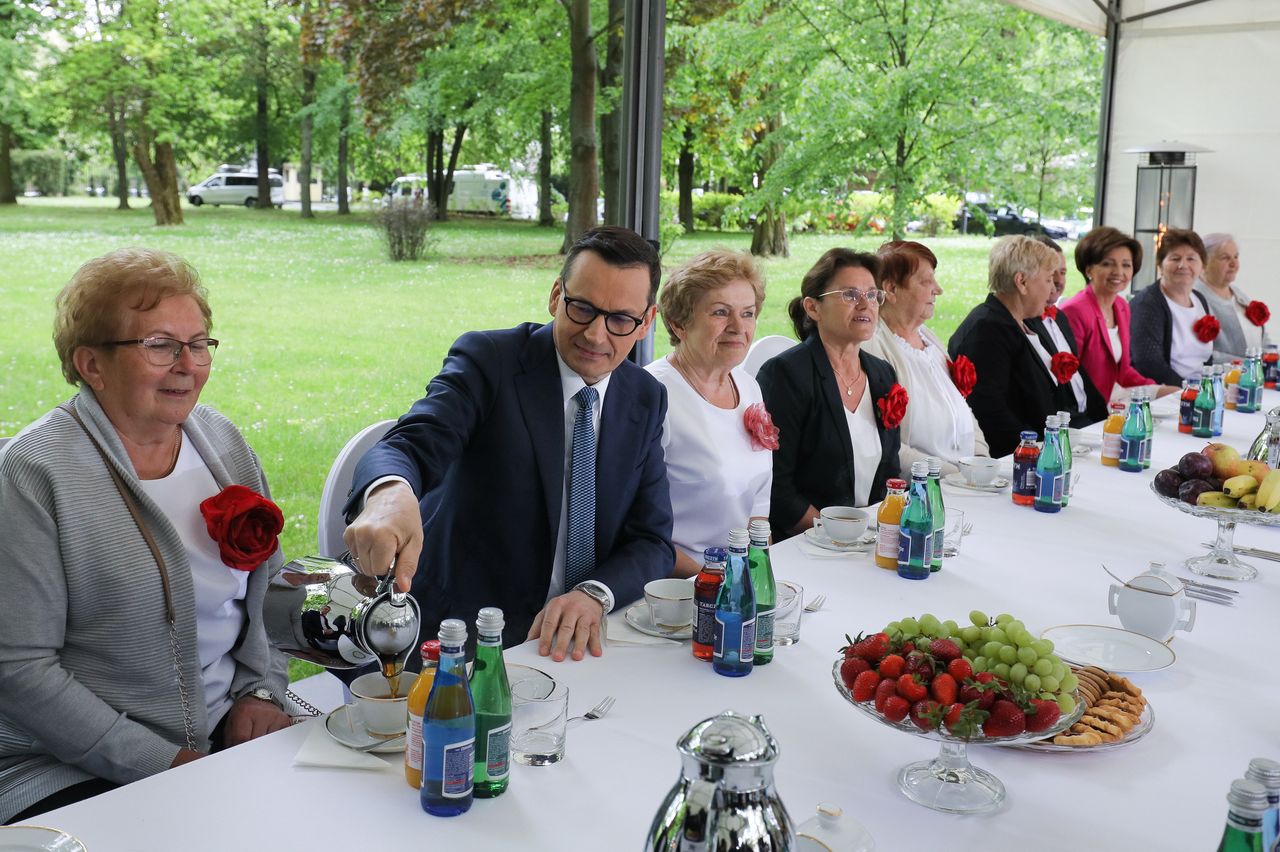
(1166, 791)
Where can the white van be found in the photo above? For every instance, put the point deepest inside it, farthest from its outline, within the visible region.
(476, 189)
(235, 188)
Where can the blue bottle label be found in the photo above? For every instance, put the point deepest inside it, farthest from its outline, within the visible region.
(746, 650)
(1024, 478)
(457, 761)
(1049, 487)
(914, 547)
(704, 623)
(717, 637)
(1186, 411)
(764, 632)
(497, 753)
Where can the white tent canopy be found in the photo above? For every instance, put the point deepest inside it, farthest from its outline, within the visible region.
(1206, 74)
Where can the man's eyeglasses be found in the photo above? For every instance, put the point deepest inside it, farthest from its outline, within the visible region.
(853, 294)
(165, 351)
(584, 313)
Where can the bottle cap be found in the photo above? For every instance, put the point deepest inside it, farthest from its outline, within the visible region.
(1247, 795)
(714, 554)
(758, 529)
(738, 539)
(453, 632)
(1027, 435)
(489, 621)
(900, 484)
(1265, 771)
(919, 469)
(430, 650)
(935, 465)
(1051, 422)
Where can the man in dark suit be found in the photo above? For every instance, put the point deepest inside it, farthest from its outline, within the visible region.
(522, 505)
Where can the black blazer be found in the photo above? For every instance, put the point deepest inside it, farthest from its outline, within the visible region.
(1095, 407)
(813, 465)
(485, 452)
(1151, 334)
(1014, 391)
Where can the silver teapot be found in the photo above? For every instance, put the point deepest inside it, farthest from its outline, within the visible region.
(324, 611)
(1266, 447)
(724, 800)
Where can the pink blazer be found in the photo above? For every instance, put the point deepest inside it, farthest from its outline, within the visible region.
(1090, 329)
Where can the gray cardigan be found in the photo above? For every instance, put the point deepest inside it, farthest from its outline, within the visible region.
(1229, 344)
(88, 686)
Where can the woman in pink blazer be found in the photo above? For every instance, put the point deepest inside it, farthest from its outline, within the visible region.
(1099, 316)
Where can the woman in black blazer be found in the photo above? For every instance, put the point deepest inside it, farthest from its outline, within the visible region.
(1165, 346)
(1015, 390)
(837, 408)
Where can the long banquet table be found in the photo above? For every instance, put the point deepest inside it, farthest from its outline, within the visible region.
(1215, 708)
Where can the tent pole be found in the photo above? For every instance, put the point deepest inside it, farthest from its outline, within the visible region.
(1104, 114)
(643, 48)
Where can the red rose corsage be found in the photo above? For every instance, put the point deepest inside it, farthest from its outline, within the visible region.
(1050, 313)
(1206, 329)
(760, 428)
(1063, 365)
(1257, 313)
(893, 406)
(245, 525)
(963, 374)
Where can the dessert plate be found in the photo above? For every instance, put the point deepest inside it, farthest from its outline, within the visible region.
(817, 539)
(1109, 648)
(639, 617)
(996, 485)
(346, 730)
(37, 838)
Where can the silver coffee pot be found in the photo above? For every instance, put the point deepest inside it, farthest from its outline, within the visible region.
(324, 611)
(1266, 447)
(724, 800)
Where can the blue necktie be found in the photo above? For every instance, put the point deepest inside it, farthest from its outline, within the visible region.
(580, 538)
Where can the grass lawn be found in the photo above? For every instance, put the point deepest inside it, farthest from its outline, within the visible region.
(320, 333)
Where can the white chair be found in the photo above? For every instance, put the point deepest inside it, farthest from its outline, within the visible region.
(338, 483)
(763, 349)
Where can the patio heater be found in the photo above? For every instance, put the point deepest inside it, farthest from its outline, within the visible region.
(1165, 198)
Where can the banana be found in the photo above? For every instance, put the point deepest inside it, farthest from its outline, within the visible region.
(1238, 486)
(1269, 488)
(1217, 499)
(1248, 501)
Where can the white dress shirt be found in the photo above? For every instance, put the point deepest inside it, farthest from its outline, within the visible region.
(1060, 343)
(867, 452)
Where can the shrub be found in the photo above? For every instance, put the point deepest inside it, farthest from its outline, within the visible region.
(44, 170)
(936, 214)
(710, 209)
(403, 227)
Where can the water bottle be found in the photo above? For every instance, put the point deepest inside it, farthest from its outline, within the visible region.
(1249, 391)
(1132, 435)
(1186, 405)
(937, 509)
(1246, 804)
(706, 590)
(1270, 362)
(492, 694)
(1204, 406)
(1267, 773)
(915, 530)
(1219, 391)
(1064, 438)
(765, 587)
(1049, 469)
(449, 730)
(734, 642)
(1024, 469)
(1148, 424)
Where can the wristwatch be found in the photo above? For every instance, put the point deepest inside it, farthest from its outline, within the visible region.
(263, 694)
(596, 593)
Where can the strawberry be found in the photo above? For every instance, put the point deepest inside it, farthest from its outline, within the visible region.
(885, 690)
(896, 708)
(944, 688)
(1043, 716)
(864, 685)
(1006, 720)
(851, 668)
(910, 688)
(944, 649)
(960, 669)
(892, 666)
(871, 648)
(926, 714)
(907, 647)
(964, 720)
(980, 688)
(920, 663)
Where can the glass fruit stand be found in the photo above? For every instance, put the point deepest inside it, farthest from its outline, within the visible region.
(1221, 561)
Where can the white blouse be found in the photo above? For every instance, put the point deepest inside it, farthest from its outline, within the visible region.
(1077, 382)
(219, 590)
(718, 480)
(1117, 347)
(945, 425)
(866, 446)
(1187, 354)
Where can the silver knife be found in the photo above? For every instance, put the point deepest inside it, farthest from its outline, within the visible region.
(1210, 597)
(1250, 551)
(1198, 585)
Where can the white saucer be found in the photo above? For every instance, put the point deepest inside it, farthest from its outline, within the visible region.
(957, 480)
(867, 540)
(639, 617)
(352, 734)
(36, 838)
(1109, 648)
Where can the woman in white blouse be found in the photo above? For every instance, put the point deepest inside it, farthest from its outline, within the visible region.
(720, 472)
(938, 421)
(1172, 330)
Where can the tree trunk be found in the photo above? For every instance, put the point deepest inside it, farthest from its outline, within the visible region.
(611, 122)
(262, 124)
(437, 186)
(119, 152)
(7, 194)
(583, 181)
(459, 133)
(769, 235)
(161, 176)
(684, 177)
(308, 121)
(344, 127)
(545, 217)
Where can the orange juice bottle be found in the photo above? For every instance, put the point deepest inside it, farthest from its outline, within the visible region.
(417, 705)
(1232, 383)
(1111, 435)
(887, 519)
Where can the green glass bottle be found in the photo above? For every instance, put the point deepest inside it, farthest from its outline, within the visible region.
(1064, 438)
(1203, 407)
(915, 529)
(766, 589)
(1246, 803)
(491, 692)
(934, 486)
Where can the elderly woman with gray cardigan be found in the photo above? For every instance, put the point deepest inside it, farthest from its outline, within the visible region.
(132, 640)
(1241, 328)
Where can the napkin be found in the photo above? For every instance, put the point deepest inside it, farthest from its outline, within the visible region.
(815, 552)
(320, 749)
(618, 632)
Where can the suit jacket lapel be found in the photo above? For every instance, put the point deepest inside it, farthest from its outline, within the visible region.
(541, 399)
(831, 396)
(877, 389)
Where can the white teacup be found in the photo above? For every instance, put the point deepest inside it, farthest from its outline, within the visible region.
(842, 524)
(1153, 604)
(978, 470)
(375, 709)
(670, 603)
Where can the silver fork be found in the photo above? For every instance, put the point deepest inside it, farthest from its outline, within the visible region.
(815, 604)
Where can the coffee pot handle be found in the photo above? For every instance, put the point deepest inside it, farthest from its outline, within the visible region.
(1189, 615)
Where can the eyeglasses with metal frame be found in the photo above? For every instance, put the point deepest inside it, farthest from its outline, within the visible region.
(165, 351)
(853, 294)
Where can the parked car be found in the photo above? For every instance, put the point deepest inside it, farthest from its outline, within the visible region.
(235, 188)
(1006, 220)
(475, 189)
